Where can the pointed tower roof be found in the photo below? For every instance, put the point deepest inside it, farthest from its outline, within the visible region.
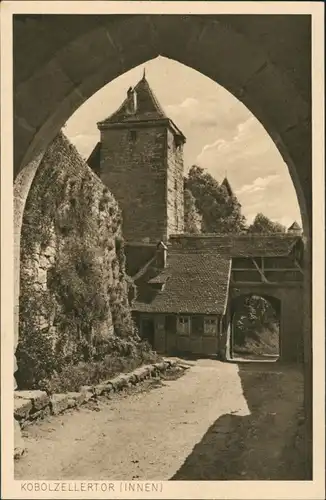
(227, 185)
(294, 227)
(140, 106)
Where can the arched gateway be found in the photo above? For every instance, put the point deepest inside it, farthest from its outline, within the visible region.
(255, 328)
(264, 61)
(190, 294)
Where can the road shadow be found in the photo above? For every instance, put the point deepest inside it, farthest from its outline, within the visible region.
(267, 443)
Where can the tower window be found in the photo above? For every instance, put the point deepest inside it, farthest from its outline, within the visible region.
(132, 135)
(177, 142)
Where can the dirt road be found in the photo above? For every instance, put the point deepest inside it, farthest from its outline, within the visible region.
(218, 421)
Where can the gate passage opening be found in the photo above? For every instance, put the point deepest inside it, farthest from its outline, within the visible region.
(256, 329)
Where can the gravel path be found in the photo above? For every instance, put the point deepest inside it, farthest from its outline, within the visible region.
(218, 421)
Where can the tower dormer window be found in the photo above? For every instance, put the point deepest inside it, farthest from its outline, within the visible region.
(131, 107)
(132, 135)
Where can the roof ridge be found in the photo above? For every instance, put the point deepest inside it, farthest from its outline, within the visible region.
(154, 108)
(295, 225)
(198, 286)
(226, 236)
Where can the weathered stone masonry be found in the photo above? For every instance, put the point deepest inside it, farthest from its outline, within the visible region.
(271, 76)
(133, 167)
(175, 170)
(140, 158)
(68, 207)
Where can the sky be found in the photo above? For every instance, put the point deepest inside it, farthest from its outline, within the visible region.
(223, 136)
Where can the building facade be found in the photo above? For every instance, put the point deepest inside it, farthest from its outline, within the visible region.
(181, 300)
(186, 301)
(187, 285)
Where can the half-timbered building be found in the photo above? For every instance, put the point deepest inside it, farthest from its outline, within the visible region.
(187, 292)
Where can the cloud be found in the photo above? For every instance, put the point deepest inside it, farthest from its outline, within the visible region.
(189, 103)
(218, 145)
(255, 170)
(243, 153)
(222, 134)
(237, 143)
(244, 128)
(192, 112)
(84, 143)
(207, 111)
(259, 184)
(234, 145)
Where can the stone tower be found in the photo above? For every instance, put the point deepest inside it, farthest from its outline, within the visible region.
(140, 159)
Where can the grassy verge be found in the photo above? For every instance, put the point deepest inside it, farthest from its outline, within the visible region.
(72, 377)
(267, 343)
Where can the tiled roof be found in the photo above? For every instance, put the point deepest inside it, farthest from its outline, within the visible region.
(195, 283)
(148, 107)
(244, 245)
(263, 246)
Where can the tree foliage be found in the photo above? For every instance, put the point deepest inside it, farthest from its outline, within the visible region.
(263, 224)
(253, 316)
(192, 218)
(77, 283)
(221, 213)
(36, 358)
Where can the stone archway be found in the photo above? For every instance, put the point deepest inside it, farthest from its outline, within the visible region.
(236, 306)
(290, 302)
(264, 61)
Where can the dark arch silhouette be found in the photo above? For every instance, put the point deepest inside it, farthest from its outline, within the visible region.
(264, 61)
(236, 307)
(80, 55)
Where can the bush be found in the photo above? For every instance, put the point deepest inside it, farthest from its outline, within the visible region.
(42, 368)
(70, 362)
(36, 360)
(125, 358)
(77, 283)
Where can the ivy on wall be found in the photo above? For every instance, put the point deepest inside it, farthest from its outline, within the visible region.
(84, 303)
(35, 353)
